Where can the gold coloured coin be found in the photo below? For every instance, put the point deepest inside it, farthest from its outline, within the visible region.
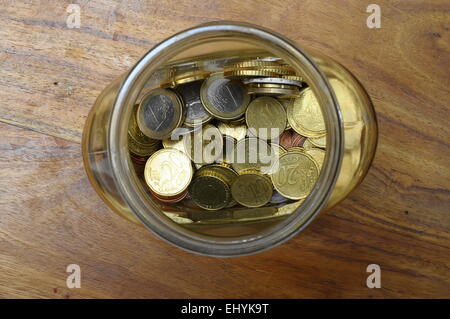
(248, 72)
(280, 70)
(305, 116)
(297, 149)
(296, 176)
(140, 149)
(190, 76)
(139, 144)
(238, 121)
(253, 153)
(277, 149)
(210, 189)
(261, 70)
(136, 133)
(319, 141)
(236, 131)
(307, 144)
(176, 144)
(198, 166)
(317, 154)
(159, 113)
(227, 156)
(224, 98)
(252, 189)
(252, 64)
(229, 174)
(266, 118)
(285, 103)
(168, 172)
(168, 75)
(204, 146)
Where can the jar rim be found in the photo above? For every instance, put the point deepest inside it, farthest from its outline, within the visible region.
(132, 192)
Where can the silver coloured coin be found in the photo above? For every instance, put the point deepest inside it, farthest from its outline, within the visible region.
(273, 81)
(195, 111)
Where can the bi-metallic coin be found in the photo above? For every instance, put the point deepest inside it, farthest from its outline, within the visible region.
(159, 113)
(223, 98)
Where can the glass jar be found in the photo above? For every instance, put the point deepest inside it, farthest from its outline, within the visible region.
(350, 123)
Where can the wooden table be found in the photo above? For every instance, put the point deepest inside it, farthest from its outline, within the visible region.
(51, 217)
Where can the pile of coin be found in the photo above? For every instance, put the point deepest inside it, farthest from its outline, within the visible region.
(251, 134)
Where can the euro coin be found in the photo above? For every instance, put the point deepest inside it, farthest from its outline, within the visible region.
(277, 80)
(279, 70)
(210, 189)
(171, 199)
(252, 64)
(196, 114)
(204, 146)
(277, 198)
(229, 175)
(140, 149)
(285, 103)
(236, 131)
(139, 160)
(317, 154)
(293, 77)
(224, 98)
(297, 149)
(190, 76)
(266, 118)
(252, 153)
(252, 189)
(227, 156)
(176, 144)
(286, 139)
(319, 141)
(140, 145)
(135, 133)
(305, 116)
(249, 72)
(277, 149)
(307, 144)
(297, 139)
(168, 172)
(159, 113)
(237, 121)
(280, 91)
(296, 176)
(167, 81)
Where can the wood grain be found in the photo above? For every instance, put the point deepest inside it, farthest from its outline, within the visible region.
(398, 218)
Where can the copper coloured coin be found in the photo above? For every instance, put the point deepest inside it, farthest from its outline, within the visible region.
(297, 139)
(286, 139)
(171, 199)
